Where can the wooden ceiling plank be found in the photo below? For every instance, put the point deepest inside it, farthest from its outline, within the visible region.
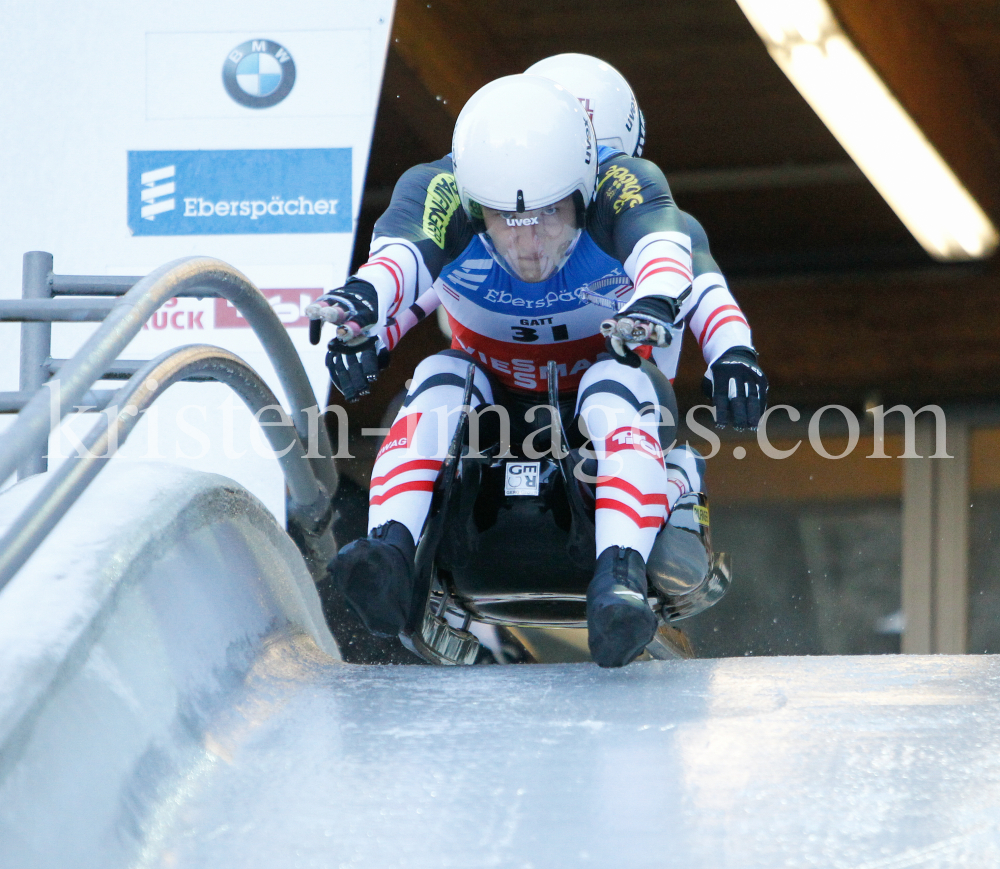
(929, 77)
(447, 48)
(427, 117)
(891, 345)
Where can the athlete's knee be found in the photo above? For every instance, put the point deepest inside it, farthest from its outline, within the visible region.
(449, 369)
(603, 369)
(439, 363)
(608, 405)
(611, 376)
(622, 400)
(687, 462)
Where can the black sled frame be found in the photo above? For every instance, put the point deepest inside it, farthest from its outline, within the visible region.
(465, 569)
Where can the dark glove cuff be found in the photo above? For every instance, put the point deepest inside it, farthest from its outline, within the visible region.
(337, 347)
(360, 297)
(362, 288)
(738, 354)
(659, 308)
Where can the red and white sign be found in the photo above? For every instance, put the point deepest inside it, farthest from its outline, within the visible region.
(289, 305)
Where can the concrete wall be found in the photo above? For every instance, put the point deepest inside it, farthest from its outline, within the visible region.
(123, 641)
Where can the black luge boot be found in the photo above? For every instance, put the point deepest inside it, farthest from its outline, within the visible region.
(619, 620)
(375, 574)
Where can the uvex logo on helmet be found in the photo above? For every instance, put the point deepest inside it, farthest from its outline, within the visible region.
(520, 132)
(522, 221)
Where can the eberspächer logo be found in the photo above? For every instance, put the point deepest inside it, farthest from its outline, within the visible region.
(241, 191)
(259, 73)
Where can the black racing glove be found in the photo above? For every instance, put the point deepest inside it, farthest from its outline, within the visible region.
(354, 367)
(738, 388)
(646, 321)
(353, 357)
(357, 297)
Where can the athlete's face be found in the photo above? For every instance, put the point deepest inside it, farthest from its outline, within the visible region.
(534, 244)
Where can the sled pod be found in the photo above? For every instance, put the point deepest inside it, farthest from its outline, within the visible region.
(682, 566)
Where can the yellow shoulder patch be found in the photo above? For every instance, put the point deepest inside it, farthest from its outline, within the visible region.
(624, 188)
(440, 204)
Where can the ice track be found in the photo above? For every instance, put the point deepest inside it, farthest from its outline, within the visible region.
(199, 717)
(827, 762)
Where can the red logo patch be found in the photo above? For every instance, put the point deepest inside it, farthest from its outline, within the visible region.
(400, 435)
(632, 439)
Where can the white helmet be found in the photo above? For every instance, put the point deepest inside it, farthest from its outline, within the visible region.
(605, 94)
(523, 142)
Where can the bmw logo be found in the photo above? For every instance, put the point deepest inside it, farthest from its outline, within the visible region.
(258, 74)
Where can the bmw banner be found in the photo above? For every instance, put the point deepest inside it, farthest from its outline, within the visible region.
(238, 129)
(259, 73)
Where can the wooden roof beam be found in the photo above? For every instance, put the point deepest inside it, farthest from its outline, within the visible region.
(929, 77)
(406, 94)
(447, 48)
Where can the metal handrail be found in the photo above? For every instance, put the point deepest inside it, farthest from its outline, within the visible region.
(95, 399)
(55, 311)
(120, 369)
(182, 277)
(309, 509)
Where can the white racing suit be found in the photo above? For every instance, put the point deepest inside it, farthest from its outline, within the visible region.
(636, 243)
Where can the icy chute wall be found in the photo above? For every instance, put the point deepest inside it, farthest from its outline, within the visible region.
(126, 642)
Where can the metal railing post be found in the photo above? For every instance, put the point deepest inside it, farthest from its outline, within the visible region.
(36, 346)
(309, 470)
(195, 275)
(310, 512)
